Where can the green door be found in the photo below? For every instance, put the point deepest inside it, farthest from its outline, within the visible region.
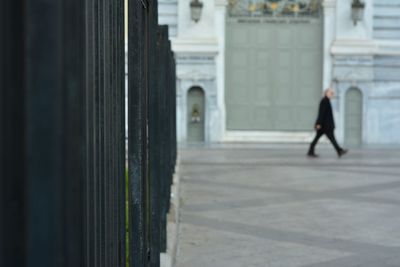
(353, 117)
(273, 73)
(195, 115)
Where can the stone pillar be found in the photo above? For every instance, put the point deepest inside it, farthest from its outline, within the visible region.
(220, 24)
(329, 7)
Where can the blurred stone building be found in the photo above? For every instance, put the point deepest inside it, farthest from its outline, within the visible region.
(255, 70)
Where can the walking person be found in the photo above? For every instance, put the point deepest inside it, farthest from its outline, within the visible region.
(325, 124)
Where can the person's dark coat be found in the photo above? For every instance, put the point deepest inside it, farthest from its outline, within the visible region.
(325, 115)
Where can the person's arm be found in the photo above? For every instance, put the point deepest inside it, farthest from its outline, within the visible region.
(321, 114)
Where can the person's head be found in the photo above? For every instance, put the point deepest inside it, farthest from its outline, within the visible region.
(329, 93)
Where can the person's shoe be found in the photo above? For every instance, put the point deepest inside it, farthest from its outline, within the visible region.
(312, 155)
(342, 152)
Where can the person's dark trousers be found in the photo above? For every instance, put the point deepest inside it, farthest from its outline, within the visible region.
(331, 138)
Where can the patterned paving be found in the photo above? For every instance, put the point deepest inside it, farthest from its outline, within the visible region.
(272, 206)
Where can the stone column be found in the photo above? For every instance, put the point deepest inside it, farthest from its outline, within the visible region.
(220, 15)
(329, 7)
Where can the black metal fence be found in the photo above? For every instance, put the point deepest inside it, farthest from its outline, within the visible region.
(62, 133)
(152, 117)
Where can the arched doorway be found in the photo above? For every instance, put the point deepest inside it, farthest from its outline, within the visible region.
(195, 115)
(353, 117)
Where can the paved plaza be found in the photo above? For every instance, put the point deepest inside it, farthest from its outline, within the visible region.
(259, 205)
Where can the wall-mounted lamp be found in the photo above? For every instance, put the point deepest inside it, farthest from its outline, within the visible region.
(357, 11)
(195, 10)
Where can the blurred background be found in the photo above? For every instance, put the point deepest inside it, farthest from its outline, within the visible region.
(254, 70)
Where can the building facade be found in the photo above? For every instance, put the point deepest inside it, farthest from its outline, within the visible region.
(255, 70)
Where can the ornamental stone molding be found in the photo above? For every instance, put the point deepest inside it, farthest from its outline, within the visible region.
(354, 61)
(196, 76)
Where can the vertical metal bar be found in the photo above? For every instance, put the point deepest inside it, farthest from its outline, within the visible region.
(169, 123)
(102, 126)
(107, 125)
(175, 111)
(121, 135)
(3, 177)
(162, 120)
(73, 97)
(96, 136)
(154, 142)
(116, 102)
(99, 136)
(106, 141)
(120, 194)
(87, 185)
(44, 127)
(146, 154)
(90, 214)
(114, 211)
(3, 83)
(55, 123)
(12, 143)
(137, 131)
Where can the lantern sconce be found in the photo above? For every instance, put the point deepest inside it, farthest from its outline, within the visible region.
(195, 10)
(357, 11)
